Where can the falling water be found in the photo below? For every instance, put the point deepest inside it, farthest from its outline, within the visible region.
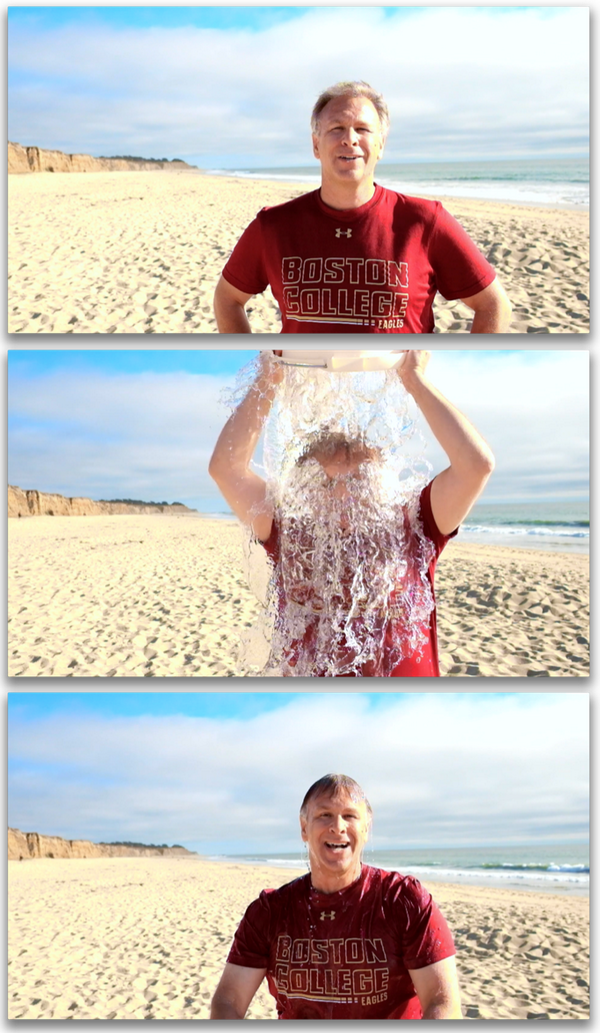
(345, 589)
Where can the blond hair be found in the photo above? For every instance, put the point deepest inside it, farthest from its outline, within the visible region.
(355, 88)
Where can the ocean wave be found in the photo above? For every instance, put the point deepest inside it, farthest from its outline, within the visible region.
(535, 875)
(533, 528)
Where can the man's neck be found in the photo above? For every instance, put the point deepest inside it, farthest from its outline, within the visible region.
(346, 196)
(324, 882)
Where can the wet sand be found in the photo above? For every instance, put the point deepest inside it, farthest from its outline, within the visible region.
(139, 252)
(147, 938)
(168, 596)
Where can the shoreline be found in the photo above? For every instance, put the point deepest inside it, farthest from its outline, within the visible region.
(141, 938)
(577, 548)
(447, 199)
(425, 878)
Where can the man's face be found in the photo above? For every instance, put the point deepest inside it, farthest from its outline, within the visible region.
(336, 829)
(343, 462)
(349, 142)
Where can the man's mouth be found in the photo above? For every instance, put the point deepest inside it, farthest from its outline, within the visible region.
(338, 847)
(349, 157)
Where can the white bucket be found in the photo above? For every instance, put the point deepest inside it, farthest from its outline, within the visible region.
(343, 361)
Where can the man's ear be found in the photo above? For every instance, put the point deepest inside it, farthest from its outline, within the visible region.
(315, 145)
(303, 830)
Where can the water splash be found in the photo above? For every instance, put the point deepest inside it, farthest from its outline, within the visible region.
(346, 591)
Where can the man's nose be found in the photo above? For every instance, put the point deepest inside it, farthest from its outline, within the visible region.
(350, 136)
(338, 823)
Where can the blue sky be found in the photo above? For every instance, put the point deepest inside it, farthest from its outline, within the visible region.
(225, 772)
(227, 87)
(142, 424)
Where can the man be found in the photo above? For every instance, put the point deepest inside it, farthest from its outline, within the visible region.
(354, 257)
(353, 550)
(347, 941)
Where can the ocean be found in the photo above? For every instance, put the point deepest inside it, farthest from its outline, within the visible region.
(557, 526)
(554, 526)
(558, 183)
(543, 869)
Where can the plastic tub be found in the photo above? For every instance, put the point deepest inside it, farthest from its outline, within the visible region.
(343, 361)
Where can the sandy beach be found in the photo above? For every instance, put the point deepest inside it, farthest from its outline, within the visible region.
(168, 596)
(139, 252)
(146, 938)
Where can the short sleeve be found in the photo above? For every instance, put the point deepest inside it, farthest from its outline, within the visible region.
(459, 266)
(426, 937)
(250, 947)
(246, 267)
(430, 527)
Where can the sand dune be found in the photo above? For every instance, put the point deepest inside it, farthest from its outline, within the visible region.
(133, 253)
(142, 938)
(165, 596)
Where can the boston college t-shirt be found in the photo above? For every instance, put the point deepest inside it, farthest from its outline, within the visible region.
(374, 269)
(426, 663)
(344, 955)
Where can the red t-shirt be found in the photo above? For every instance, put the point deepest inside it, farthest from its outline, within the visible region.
(344, 955)
(419, 665)
(369, 270)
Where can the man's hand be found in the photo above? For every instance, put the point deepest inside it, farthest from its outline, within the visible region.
(414, 366)
(437, 990)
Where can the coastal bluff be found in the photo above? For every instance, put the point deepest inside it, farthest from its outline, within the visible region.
(25, 845)
(38, 503)
(36, 159)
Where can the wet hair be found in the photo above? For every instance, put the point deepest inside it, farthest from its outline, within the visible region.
(331, 785)
(330, 442)
(356, 88)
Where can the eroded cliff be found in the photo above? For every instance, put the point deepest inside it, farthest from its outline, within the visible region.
(25, 845)
(36, 159)
(39, 503)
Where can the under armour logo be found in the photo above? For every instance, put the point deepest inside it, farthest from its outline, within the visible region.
(327, 914)
(343, 233)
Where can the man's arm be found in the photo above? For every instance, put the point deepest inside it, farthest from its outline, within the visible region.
(453, 491)
(437, 989)
(492, 310)
(229, 305)
(236, 989)
(229, 466)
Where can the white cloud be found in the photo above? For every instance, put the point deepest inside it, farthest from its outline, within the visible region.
(533, 410)
(99, 435)
(149, 435)
(439, 769)
(460, 82)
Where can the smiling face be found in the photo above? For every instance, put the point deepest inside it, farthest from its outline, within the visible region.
(335, 828)
(349, 143)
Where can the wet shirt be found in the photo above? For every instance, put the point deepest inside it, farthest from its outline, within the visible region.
(344, 955)
(424, 663)
(369, 270)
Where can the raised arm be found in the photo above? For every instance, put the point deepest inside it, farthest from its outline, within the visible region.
(230, 309)
(492, 309)
(235, 991)
(229, 466)
(437, 990)
(453, 491)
